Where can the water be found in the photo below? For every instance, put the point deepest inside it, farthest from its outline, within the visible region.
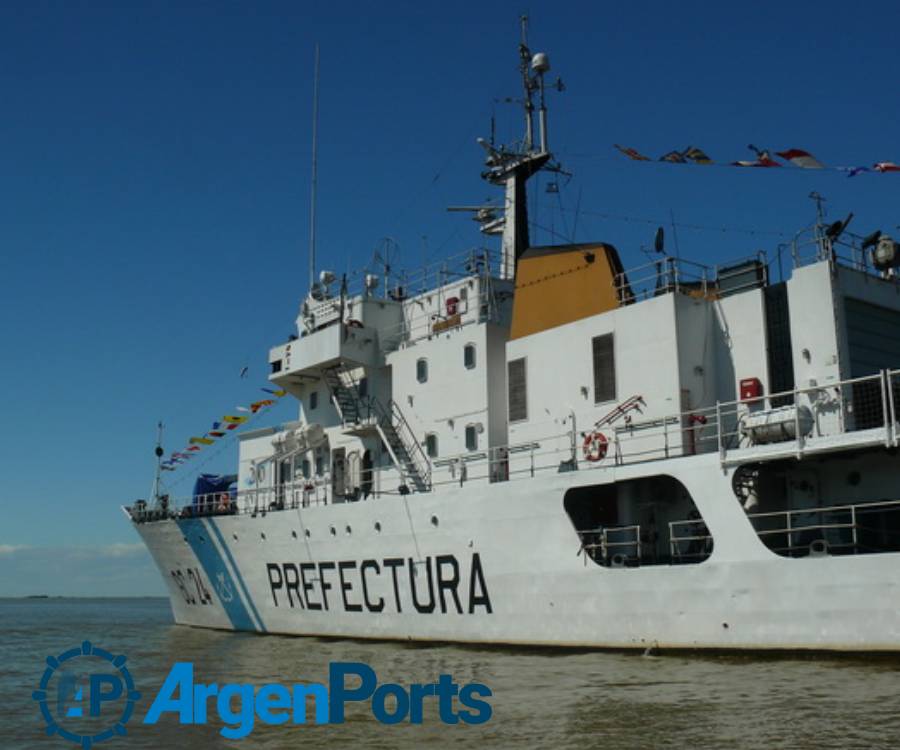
(541, 698)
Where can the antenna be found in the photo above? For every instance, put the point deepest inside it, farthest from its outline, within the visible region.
(524, 66)
(158, 452)
(314, 175)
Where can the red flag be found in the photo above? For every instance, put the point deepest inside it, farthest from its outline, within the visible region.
(800, 158)
(632, 153)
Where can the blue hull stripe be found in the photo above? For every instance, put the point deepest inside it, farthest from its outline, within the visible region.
(214, 567)
(218, 532)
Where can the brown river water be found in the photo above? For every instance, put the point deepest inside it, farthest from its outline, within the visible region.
(541, 698)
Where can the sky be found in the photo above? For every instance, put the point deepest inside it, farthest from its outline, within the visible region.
(154, 196)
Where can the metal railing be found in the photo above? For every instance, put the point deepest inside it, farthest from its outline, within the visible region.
(668, 274)
(849, 414)
(835, 529)
(611, 545)
(689, 541)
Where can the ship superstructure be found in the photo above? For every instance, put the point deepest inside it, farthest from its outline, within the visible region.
(542, 446)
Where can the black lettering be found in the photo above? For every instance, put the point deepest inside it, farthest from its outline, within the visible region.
(447, 584)
(308, 585)
(393, 563)
(274, 584)
(292, 583)
(366, 564)
(326, 587)
(345, 586)
(413, 574)
(477, 576)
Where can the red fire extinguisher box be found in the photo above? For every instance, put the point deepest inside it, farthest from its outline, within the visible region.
(751, 388)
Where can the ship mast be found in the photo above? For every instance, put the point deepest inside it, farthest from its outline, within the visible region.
(513, 166)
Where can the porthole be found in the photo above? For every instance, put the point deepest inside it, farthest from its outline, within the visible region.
(308, 534)
(333, 531)
(294, 534)
(348, 530)
(378, 527)
(234, 536)
(262, 535)
(434, 521)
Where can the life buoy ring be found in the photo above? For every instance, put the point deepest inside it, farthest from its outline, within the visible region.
(595, 446)
(353, 323)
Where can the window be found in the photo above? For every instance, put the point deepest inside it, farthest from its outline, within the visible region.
(363, 387)
(305, 468)
(422, 370)
(518, 392)
(431, 445)
(313, 400)
(469, 356)
(471, 438)
(604, 368)
(320, 466)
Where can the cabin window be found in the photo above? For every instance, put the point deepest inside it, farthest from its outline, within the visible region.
(518, 392)
(313, 400)
(422, 370)
(604, 368)
(363, 387)
(320, 466)
(469, 356)
(471, 438)
(431, 445)
(305, 467)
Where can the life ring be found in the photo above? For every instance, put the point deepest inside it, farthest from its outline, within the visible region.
(353, 323)
(595, 446)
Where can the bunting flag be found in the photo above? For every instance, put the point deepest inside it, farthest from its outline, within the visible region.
(673, 157)
(696, 155)
(631, 154)
(220, 429)
(800, 158)
(794, 157)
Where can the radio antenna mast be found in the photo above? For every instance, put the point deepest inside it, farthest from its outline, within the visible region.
(314, 175)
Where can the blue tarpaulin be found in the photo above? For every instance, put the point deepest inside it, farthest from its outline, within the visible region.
(214, 484)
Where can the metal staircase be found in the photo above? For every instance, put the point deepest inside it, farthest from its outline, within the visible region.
(358, 411)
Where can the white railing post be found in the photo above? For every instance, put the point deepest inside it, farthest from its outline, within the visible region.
(884, 408)
(853, 522)
(721, 444)
(797, 436)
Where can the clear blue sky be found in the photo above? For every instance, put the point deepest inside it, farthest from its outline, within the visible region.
(154, 171)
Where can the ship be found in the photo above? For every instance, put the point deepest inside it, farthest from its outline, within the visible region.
(536, 446)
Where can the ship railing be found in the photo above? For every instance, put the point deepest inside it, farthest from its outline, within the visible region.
(689, 541)
(421, 323)
(812, 245)
(858, 411)
(254, 501)
(668, 274)
(855, 528)
(614, 546)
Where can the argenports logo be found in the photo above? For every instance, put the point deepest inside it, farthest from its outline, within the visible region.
(87, 695)
(240, 706)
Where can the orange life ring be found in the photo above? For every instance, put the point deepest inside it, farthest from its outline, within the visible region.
(595, 446)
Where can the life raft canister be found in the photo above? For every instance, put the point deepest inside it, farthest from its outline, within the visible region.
(595, 446)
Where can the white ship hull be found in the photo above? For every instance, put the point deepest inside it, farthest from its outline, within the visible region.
(521, 579)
